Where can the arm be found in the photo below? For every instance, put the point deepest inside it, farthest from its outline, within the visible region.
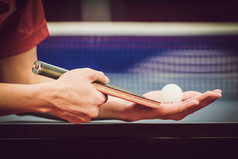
(18, 69)
(66, 97)
(17, 98)
(114, 108)
(192, 101)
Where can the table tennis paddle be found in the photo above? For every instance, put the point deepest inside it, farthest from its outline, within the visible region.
(48, 70)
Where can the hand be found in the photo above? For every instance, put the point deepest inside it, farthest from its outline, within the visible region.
(73, 97)
(192, 101)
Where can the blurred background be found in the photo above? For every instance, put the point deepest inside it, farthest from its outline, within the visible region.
(142, 10)
(143, 45)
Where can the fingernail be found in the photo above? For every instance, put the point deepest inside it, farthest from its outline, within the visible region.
(107, 79)
(218, 90)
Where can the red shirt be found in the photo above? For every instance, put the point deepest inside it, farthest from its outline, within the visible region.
(22, 26)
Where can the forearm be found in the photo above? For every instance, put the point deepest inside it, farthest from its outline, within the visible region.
(20, 98)
(115, 108)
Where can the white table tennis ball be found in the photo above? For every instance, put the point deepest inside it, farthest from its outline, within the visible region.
(171, 93)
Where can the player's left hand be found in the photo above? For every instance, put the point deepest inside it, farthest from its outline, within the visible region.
(192, 101)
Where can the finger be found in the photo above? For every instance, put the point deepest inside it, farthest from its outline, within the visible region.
(188, 109)
(193, 94)
(101, 77)
(106, 98)
(215, 93)
(191, 105)
(203, 103)
(183, 110)
(212, 98)
(71, 117)
(217, 90)
(176, 108)
(83, 117)
(97, 98)
(188, 105)
(203, 96)
(85, 114)
(190, 94)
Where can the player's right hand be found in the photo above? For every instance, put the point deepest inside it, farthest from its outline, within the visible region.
(73, 97)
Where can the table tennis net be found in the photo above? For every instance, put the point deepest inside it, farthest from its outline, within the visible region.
(142, 63)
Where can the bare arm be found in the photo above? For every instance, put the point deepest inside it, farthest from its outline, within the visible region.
(78, 102)
(72, 97)
(192, 101)
(17, 69)
(17, 98)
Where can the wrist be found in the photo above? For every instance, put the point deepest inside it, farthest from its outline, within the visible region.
(115, 108)
(41, 94)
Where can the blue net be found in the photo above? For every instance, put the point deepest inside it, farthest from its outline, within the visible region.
(145, 63)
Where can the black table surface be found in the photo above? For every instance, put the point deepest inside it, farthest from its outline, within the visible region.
(119, 140)
(114, 130)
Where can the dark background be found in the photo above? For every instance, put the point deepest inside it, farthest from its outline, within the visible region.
(146, 10)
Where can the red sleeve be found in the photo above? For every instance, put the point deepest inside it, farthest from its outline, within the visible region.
(23, 28)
